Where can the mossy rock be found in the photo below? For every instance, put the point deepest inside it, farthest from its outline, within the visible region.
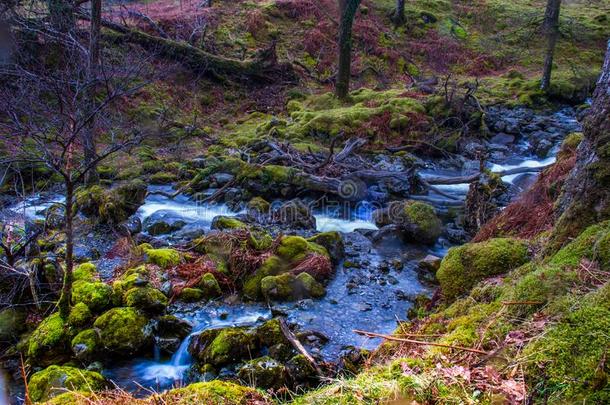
(288, 287)
(80, 315)
(221, 347)
(136, 277)
(258, 205)
(146, 298)
(164, 257)
(111, 206)
(191, 295)
(273, 265)
(12, 324)
(96, 295)
(86, 344)
(123, 331)
(263, 372)
(466, 265)
(213, 392)
(222, 223)
(85, 272)
(209, 286)
(163, 178)
(49, 341)
(55, 380)
(417, 220)
(332, 242)
(294, 249)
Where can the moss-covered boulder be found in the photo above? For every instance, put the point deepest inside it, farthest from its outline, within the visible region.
(468, 264)
(263, 372)
(86, 344)
(191, 295)
(164, 257)
(123, 331)
(209, 286)
(136, 277)
(332, 242)
(111, 206)
(213, 392)
(417, 220)
(12, 324)
(146, 298)
(288, 287)
(223, 223)
(49, 343)
(96, 295)
(258, 206)
(55, 380)
(80, 315)
(220, 347)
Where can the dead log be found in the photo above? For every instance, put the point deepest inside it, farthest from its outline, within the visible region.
(298, 346)
(264, 67)
(146, 19)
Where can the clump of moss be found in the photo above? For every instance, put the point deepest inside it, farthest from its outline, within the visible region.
(163, 178)
(164, 257)
(466, 265)
(227, 346)
(123, 330)
(111, 206)
(97, 295)
(85, 272)
(332, 242)
(49, 340)
(146, 298)
(55, 380)
(85, 344)
(227, 223)
(80, 315)
(12, 324)
(259, 205)
(417, 220)
(263, 372)
(209, 286)
(289, 287)
(213, 392)
(191, 295)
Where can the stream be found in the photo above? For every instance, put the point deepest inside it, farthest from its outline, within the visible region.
(372, 293)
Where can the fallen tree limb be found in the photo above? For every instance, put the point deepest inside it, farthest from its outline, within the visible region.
(417, 342)
(298, 346)
(264, 67)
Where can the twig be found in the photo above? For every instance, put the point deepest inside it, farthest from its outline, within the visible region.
(418, 342)
(298, 346)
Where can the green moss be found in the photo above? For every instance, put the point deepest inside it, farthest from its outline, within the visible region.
(230, 345)
(423, 217)
(164, 257)
(213, 392)
(228, 223)
(146, 298)
(85, 272)
(263, 372)
(464, 266)
(111, 206)
(209, 286)
(85, 344)
(80, 315)
(289, 287)
(271, 266)
(191, 295)
(50, 338)
(97, 295)
(55, 380)
(332, 242)
(123, 330)
(163, 178)
(259, 205)
(126, 282)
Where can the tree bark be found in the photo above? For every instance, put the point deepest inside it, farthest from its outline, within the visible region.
(586, 195)
(347, 12)
(551, 31)
(66, 293)
(399, 13)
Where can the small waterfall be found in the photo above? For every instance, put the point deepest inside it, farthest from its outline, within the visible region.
(182, 356)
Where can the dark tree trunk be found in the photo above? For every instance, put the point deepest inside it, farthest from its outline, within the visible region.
(66, 292)
(586, 194)
(94, 60)
(347, 12)
(399, 13)
(551, 31)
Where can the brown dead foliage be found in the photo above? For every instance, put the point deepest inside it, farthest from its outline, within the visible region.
(317, 266)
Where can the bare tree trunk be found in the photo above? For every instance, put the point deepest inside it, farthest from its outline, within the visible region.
(66, 293)
(347, 12)
(586, 193)
(551, 31)
(94, 60)
(398, 16)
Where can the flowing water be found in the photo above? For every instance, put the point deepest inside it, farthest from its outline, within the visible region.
(4, 391)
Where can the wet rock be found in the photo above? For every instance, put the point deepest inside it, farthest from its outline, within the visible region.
(169, 332)
(264, 372)
(294, 214)
(163, 222)
(301, 371)
(220, 347)
(352, 359)
(430, 263)
(56, 380)
(288, 287)
(220, 179)
(132, 226)
(502, 139)
(55, 216)
(123, 331)
(416, 221)
(332, 242)
(147, 299)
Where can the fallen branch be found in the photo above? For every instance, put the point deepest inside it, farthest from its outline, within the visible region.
(418, 342)
(298, 346)
(437, 180)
